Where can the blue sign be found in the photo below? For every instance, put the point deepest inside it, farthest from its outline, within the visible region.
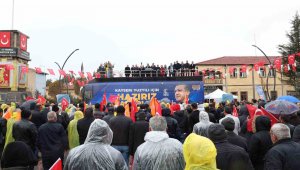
(227, 97)
(59, 97)
(260, 92)
(176, 91)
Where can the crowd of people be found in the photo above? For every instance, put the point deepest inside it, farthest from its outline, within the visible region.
(182, 136)
(172, 70)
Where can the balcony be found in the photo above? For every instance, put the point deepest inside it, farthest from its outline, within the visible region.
(213, 81)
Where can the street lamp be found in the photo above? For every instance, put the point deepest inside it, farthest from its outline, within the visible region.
(267, 81)
(61, 68)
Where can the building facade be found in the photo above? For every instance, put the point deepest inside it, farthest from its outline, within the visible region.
(244, 76)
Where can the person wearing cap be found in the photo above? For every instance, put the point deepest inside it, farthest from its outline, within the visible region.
(229, 156)
(199, 153)
(228, 113)
(233, 138)
(285, 153)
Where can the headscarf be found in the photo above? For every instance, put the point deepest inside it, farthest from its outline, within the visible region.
(73, 135)
(199, 153)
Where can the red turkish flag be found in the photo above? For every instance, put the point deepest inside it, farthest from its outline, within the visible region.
(97, 75)
(72, 72)
(291, 59)
(38, 70)
(203, 71)
(57, 165)
(51, 71)
(256, 67)
(24, 69)
(41, 100)
(89, 75)
(80, 83)
(81, 74)
(23, 42)
(235, 112)
(62, 72)
(9, 67)
(64, 104)
(244, 68)
(5, 39)
(298, 54)
(277, 64)
(231, 70)
(261, 63)
(134, 109)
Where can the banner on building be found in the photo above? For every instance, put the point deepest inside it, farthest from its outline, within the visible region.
(169, 91)
(4, 76)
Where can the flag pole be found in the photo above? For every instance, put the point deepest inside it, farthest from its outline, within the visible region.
(13, 13)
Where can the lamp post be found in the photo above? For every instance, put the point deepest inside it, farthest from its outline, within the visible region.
(63, 68)
(267, 81)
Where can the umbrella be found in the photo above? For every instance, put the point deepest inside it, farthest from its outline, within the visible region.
(281, 107)
(27, 104)
(289, 98)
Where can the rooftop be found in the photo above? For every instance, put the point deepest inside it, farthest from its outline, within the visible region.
(237, 60)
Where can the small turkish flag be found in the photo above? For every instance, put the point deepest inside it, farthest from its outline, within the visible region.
(24, 69)
(97, 75)
(89, 75)
(64, 104)
(51, 71)
(62, 72)
(41, 100)
(291, 59)
(57, 165)
(23, 42)
(72, 72)
(256, 67)
(231, 70)
(277, 64)
(5, 39)
(9, 67)
(38, 70)
(244, 69)
(81, 74)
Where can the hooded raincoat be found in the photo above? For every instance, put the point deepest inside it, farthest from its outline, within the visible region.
(73, 135)
(202, 126)
(199, 153)
(159, 152)
(96, 152)
(10, 122)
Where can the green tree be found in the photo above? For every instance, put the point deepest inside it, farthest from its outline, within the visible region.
(54, 88)
(292, 47)
(49, 81)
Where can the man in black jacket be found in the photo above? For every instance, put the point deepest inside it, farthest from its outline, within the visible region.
(109, 115)
(37, 117)
(233, 138)
(260, 141)
(120, 125)
(52, 140)
(25, 131)
(285, 153)
(83, 124)
(229, 156)
(137, 132)
(62, 116)
(194, 118)
(173, 128)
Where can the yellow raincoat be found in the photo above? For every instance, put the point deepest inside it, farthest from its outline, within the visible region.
(73, 135)
(199, 153)
(10, 122)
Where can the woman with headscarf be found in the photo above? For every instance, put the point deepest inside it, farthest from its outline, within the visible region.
(73, 135)
(201, 127)
(96, 152)
(199, 153)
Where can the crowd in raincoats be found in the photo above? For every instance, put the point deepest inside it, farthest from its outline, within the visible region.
(237, 135)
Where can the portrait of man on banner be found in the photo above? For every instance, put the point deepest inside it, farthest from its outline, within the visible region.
(4, 76)
(22, 75)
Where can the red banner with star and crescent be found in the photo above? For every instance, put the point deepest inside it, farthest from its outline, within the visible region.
(5, 39)
(4, 76)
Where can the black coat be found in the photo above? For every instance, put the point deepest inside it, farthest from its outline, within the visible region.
(25, 131)
(193, 119)
(63, 119)
(2, 130)
(260, 142)
(37, 118)
(52, 141)
(106, 118)
(232, 157)
(182, 120)
(237, 140)
(120, 125)
(285, 154)
(137, 134)
(83, 126)
(173, 129)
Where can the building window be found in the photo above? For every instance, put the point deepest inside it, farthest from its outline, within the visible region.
(272, 72)
(262, 72)
(243, 74)
(244, 96)
(234, 93)
(234, 74)
(273, 95)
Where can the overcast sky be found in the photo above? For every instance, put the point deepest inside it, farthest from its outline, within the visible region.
(135, 31)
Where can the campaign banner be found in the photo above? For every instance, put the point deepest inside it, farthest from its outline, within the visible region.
(260, 92)
(227, 98)
(168, 91)
(59, 97)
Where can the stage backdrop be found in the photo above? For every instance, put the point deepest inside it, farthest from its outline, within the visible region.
(141, 91)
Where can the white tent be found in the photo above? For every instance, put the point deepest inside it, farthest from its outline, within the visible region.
(217, 95)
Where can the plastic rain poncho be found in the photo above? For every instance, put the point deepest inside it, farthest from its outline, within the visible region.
(201, 128)
(199, 153)
(159, 152)
(9, 128)
(96, 152)
(73, 135)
